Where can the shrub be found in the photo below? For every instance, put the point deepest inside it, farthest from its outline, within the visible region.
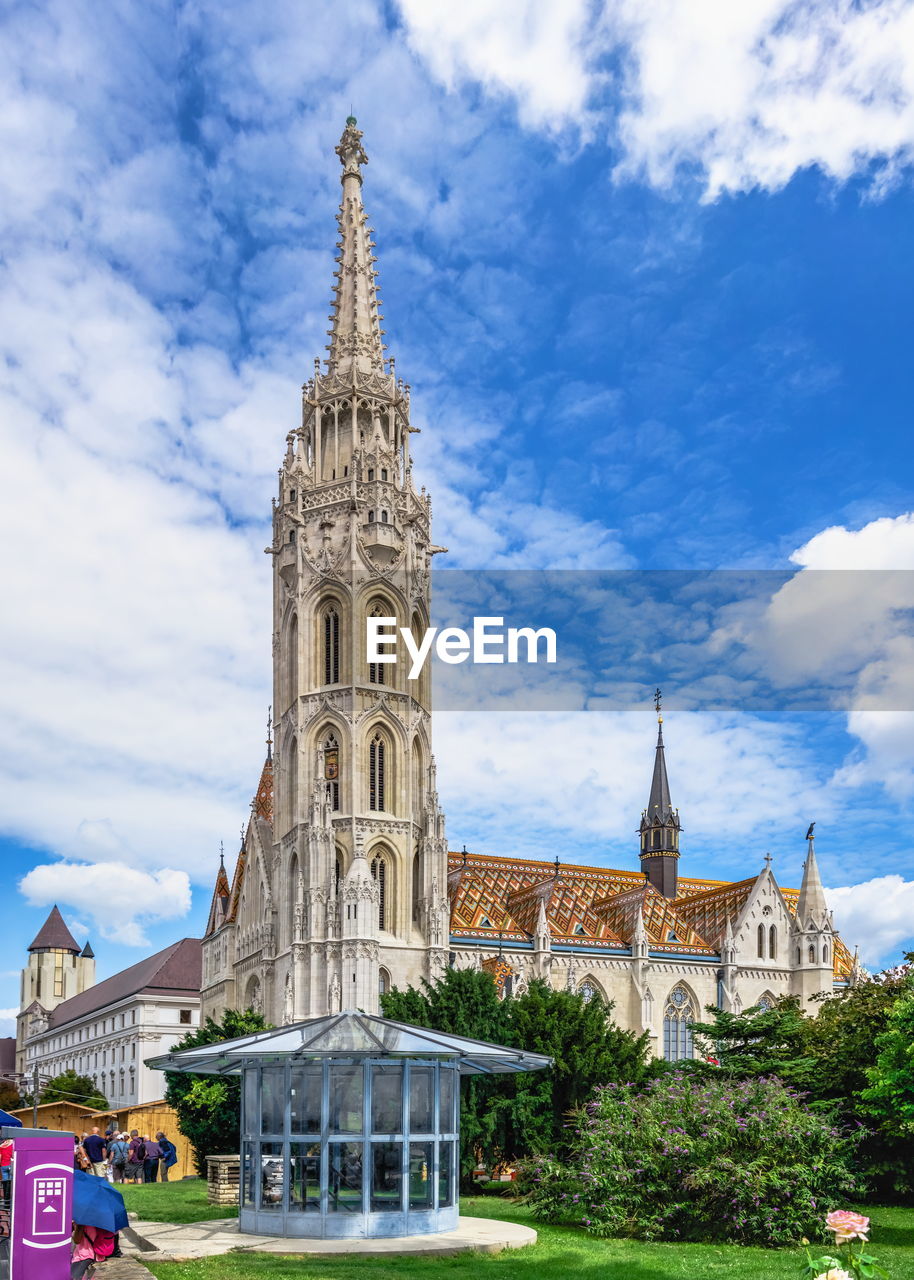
(687, 1158)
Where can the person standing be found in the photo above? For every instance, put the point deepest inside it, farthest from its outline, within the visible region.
(95, 1149)
(6, 1169)
(136, 1157)
(151, 1162)
(168, 1157)
(118, 1155)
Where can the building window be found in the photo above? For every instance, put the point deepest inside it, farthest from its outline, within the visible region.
(291, 495)
(331, 647)
(332, 770)
(824, 952)
(376, 669)
(370, 474)
(379, 871)
(58, 974)
(761, 941)
(383, 517)
(376, 779)
(291, 535)
(383, 982)
(677, 1035)
(812, 955)
(766, 1004)
(371, 517)
(383, 473)
(772, 943)
(417, 885)
(587, 990)
(184, 1017)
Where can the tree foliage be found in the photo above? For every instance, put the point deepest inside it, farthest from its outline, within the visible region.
(889, 1096)
(506, 1117)
(209, 1107)
(70, 1087)
(687, 1158)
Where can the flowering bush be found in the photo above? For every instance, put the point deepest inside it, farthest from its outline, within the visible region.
(847, 1226)
(686, 1158)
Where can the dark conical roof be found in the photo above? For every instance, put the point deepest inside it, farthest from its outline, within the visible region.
(88, 953)
(660, 811)
(54, 933)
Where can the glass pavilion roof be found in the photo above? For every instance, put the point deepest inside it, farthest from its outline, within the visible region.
(349, 1035)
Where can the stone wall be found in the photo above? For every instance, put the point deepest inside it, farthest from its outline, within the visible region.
(222, 1174)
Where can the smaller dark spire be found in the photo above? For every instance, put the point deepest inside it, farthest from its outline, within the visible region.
(557, 865)
(464, 855)
(87, 952)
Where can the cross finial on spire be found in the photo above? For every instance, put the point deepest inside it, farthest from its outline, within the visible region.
(221, 854)
(658, 700)
(768, 861)
(270, 732)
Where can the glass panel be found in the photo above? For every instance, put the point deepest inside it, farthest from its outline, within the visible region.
(447, 1096)
(445, 1174)
(387, 1099)
(345, 1098)
(386, 1176)
(305, 1177)
(248, 1189)
(306, 1098)
(272, 1100)
(420, 1174)
(345, 1177)
(251, 1099)
(271, 1175)
(421, 1096)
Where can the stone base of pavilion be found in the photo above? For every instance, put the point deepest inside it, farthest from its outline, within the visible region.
(171, 1242)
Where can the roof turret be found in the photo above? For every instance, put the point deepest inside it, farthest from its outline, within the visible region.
(54, 935)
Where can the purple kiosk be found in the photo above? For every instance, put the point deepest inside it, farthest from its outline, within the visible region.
(42, 1214)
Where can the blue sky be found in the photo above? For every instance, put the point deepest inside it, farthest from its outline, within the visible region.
(648, 269)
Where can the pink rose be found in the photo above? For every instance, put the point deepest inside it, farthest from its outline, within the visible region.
(836, 1273)
(847, 1225)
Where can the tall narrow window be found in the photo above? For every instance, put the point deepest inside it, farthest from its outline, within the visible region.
(761, 941)
(338, 872)
(376, 762)
(772, 943)
(379, 871)
(292, 661)
(332, 770)
(376, 669)
(417, 885)
(677, 1034)
(824, 952)
(292, 775)
(331, 647)
(812, 955)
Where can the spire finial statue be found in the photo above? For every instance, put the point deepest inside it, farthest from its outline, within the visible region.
(270, 732)
(221, 855)
(350, 150)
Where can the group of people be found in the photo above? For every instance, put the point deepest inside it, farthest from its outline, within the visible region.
(124, 1157)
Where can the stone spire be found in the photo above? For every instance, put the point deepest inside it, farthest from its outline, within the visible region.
(355, 333)
(660, 825)
(811, 904)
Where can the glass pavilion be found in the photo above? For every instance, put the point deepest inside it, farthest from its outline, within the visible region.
(349, 1123)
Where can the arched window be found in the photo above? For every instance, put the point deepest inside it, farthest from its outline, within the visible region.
(376, 670)
(824, 952)
(772, 942)
(295, 897)
(332, 770)
(677, 1036)
(383, 982)
(587, 990)
(331, 646)
(292, 661)
(379, 871)
(765, 1004)
(812, 954)
(417, 885)
(798, 955)
(338, 872)
(377, 751)
(761, 941)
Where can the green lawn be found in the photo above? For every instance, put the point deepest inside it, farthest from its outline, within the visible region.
(174, 1202)
(560, 1252)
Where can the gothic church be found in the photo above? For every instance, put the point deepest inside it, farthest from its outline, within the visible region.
(344, 885)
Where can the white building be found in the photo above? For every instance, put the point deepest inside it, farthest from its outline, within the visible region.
(106, 1030)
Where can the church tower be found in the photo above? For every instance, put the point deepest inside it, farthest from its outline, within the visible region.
(57, 969)
(813, 938)
(660, 825)
(359, 851)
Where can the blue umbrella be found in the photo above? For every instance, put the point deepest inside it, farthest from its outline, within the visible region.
(97, 1204)
(10, 1121)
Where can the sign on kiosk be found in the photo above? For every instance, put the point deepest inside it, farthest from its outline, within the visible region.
(42, 1219)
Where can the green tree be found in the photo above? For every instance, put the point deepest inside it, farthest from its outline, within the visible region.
(757, 1042)
(889, 1097)
(70, 1087)
(209, 1107)
(504, 1118)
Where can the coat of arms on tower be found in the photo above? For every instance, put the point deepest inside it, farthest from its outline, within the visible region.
(331, 765)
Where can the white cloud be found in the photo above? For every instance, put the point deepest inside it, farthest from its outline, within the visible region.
(878, 915)
(748, 93)
(539, 51)
(119, 899)
(8, 1020)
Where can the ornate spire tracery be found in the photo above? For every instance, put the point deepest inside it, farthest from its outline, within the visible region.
(355, 332)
